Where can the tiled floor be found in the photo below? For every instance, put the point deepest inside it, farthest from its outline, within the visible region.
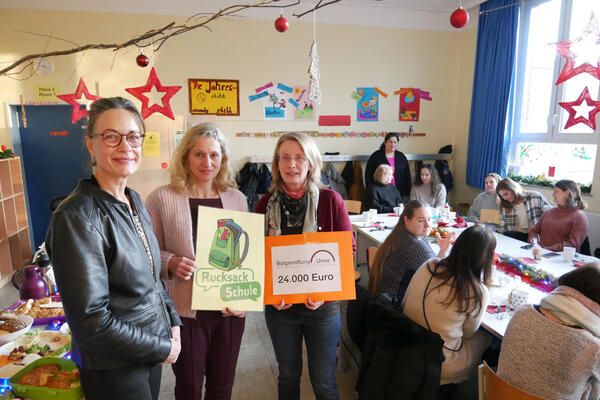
(256, 375)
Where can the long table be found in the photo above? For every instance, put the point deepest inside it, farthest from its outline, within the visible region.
(495, 323)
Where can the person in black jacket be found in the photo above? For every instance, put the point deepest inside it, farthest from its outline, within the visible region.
(387, 154)
(107, 265)
(381, 194)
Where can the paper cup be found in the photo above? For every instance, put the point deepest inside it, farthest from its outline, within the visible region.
(568, 253)
(518, 298)
(373, 213)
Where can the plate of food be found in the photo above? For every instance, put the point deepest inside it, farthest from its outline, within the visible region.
(43, 311)
(48, 378)
(13, 325)
(42, 343)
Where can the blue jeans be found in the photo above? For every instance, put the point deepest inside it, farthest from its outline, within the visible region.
(321, 331)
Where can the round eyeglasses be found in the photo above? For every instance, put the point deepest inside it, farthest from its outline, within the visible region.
(113, 138)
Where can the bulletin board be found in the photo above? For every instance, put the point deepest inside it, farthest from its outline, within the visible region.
(214, 96)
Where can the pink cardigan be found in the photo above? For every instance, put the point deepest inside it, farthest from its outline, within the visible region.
(172, 220)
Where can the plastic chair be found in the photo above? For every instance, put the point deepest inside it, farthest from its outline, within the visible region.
(353, 206)
(492, 387)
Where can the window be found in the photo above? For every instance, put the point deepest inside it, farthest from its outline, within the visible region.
(540, 143)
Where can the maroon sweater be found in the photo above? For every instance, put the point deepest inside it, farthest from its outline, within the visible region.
(559, 227)
(331, 212)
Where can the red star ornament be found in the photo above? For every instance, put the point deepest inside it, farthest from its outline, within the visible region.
(153, 81)
(571, 69)
(72, 98)
(569, 106)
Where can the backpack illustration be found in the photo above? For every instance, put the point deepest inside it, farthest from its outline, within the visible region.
(225, 249)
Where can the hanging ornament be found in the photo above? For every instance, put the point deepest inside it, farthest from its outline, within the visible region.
(142, 60)
(459, 17)
(314, 89)
(577, 116)
(169, 92)
(164, 165)
(72, 99)
(281, 24)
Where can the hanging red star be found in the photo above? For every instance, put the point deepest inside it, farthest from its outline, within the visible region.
(571, 69)
(153, 81)
(72, 99)
(570, 107)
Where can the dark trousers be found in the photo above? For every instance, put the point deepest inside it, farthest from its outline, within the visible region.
(210, 345)
(523, 237)
(131, 383)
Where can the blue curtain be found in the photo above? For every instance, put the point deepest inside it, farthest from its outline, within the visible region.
(494, 66)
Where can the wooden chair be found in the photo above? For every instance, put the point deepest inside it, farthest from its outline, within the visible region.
(353, 206)
(492, 387)
(371, 251)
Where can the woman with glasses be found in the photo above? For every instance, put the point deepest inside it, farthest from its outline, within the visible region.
(107, 265)
(519, 209)
(389, 155)
(566, 225)
(296, 205)
(210, 340)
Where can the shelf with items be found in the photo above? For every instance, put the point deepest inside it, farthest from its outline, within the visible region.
(15, 244)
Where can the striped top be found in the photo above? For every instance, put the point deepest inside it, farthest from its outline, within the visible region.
(172, 220)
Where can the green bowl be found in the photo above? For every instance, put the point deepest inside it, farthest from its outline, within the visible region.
(44, 393)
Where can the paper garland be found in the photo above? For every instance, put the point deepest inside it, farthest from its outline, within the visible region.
(333, 135)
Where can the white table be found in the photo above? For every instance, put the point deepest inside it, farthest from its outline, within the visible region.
(494, 323)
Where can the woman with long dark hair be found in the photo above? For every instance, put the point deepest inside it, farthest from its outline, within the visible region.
(427, 187)
(404, 250)
(566, 225)
(449, 297)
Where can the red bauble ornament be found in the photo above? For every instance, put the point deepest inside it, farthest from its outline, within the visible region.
(142, 60)
(164, 165)
(281, 24)
(459, 18)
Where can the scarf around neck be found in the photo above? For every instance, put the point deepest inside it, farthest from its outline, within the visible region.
(274, 209)
(573, 308)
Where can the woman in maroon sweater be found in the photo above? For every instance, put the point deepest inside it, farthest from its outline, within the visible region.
(563, 226)
(298, 204)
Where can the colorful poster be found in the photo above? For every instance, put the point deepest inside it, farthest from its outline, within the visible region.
(275, 104)
(315, 265)
(304, 107)
(409, 104)
(367, 106)
(214, 96)
(151, 146)
(230, 261)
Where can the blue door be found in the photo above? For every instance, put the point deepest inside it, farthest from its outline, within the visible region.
(54, 159)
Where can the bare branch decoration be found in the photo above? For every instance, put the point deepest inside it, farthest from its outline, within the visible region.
(154, 37)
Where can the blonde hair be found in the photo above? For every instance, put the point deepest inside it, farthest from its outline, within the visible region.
(382, 170)
(181, 178)
(312, 154)
(509, 184)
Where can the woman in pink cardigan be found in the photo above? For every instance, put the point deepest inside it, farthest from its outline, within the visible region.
(210, 340)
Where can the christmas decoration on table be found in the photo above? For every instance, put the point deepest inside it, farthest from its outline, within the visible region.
(142, 60)
(582, 55)
(529, 274)
(577, 116)
(72, 98)
(6, 153)
(281, 23)
(169, 92)
(459, 17)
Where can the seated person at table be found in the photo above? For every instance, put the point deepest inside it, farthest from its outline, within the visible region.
(448, 297)
(427, 187)
(553, 350)
(404, 250)
(519, 209)
(487, 200)
(388, 154)
(563, 226)
(381, 194)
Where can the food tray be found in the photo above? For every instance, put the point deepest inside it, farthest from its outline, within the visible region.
(43, 393)
(37, 321)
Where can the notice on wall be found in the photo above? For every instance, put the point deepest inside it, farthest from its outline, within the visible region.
(151, 146)
(214, 96)
(230, 261)
(46, 93)
(318, 266)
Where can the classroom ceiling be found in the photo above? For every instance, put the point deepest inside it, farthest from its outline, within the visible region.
(420, 14)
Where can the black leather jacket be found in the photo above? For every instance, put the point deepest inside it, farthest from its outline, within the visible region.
(116, 305)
